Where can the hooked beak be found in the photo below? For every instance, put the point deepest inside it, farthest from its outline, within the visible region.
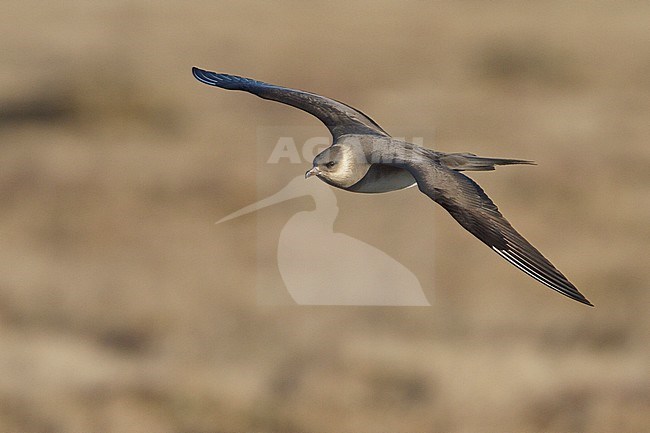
(312, 172)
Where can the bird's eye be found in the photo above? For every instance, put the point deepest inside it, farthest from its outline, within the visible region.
(330, 164)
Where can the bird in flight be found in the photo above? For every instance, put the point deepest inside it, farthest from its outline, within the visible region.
(366, 159)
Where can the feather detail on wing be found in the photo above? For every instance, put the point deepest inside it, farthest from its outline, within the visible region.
(339, 118)
(473, 209)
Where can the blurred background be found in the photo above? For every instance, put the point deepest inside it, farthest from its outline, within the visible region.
(123, 308)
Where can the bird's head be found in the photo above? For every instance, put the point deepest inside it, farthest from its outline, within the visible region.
(338, 166)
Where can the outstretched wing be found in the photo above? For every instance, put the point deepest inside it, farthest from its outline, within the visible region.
(339, 118)
(473, 209)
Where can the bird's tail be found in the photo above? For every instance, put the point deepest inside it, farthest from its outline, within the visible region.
(471, 162)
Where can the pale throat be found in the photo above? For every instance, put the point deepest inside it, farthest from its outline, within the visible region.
(350, 170)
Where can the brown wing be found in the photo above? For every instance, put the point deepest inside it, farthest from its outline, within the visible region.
(473, 209)
(339, 118)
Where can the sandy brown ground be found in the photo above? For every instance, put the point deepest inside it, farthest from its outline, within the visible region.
(123, 308)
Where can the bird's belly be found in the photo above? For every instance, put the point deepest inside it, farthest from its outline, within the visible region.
(383, 178)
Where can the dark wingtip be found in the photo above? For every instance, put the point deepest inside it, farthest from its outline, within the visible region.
(586, 302)
(572, 294)
(577, 296)
(202, 76)
(225, 81)
(580, 299)
(545, 273)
